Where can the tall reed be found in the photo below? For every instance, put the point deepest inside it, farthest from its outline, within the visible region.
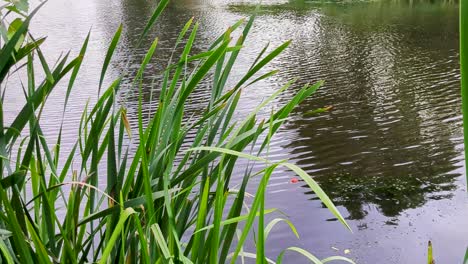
(464, 74)
(161, 204)
(464, 82)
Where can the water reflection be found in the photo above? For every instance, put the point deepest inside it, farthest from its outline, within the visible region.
(391, 75)
(389, 139)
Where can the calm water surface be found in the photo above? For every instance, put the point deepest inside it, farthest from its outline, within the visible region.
(389, 153)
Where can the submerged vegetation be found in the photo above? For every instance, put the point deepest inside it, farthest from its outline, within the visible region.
(169, 201)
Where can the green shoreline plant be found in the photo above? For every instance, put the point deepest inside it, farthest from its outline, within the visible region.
(464, 73)
(463, 17)
(161, 204)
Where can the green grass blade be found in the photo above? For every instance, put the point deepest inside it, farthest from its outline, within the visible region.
(184, 31)
(261, 64)
(112, 164)
(115, 234)
(430, 258)
(158, 236)
(235, 220)
(251, 255)
(301, 251)
(157, 12)
(464, 74)
(253, 211)
(230, 152)
(261, 224)
(275, 221)
(19, 239)
(39, 246)
(76, 70)
(318, 191)
(201, 218)
(7, 255)
(337, 258)
(109, 53)
(144, 245)
(147, 59)
(465, 260)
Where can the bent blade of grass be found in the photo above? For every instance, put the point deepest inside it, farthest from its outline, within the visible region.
(115, 234)
(337, 258)
(230, 152)
(275, 221)
(318, 191)
(264, 76)
(301, 251)
(45, 66)
(250, 255)
(236, 219)
(159, 237)
(300, 172)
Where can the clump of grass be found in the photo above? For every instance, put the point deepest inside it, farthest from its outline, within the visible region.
(161, 204)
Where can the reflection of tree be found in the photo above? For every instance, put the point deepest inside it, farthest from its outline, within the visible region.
(389, 75)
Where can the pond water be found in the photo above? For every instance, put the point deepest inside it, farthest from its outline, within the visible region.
(389, 153)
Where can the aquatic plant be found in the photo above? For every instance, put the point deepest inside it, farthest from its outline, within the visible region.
(464, 72)
(464, 81)
(169, 199)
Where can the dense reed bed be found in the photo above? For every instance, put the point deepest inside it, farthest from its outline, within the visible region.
(163, 203)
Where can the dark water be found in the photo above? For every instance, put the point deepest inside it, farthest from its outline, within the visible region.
(389, 153)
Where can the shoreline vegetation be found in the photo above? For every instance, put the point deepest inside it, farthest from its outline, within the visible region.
(464, 83)
(161, 204)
